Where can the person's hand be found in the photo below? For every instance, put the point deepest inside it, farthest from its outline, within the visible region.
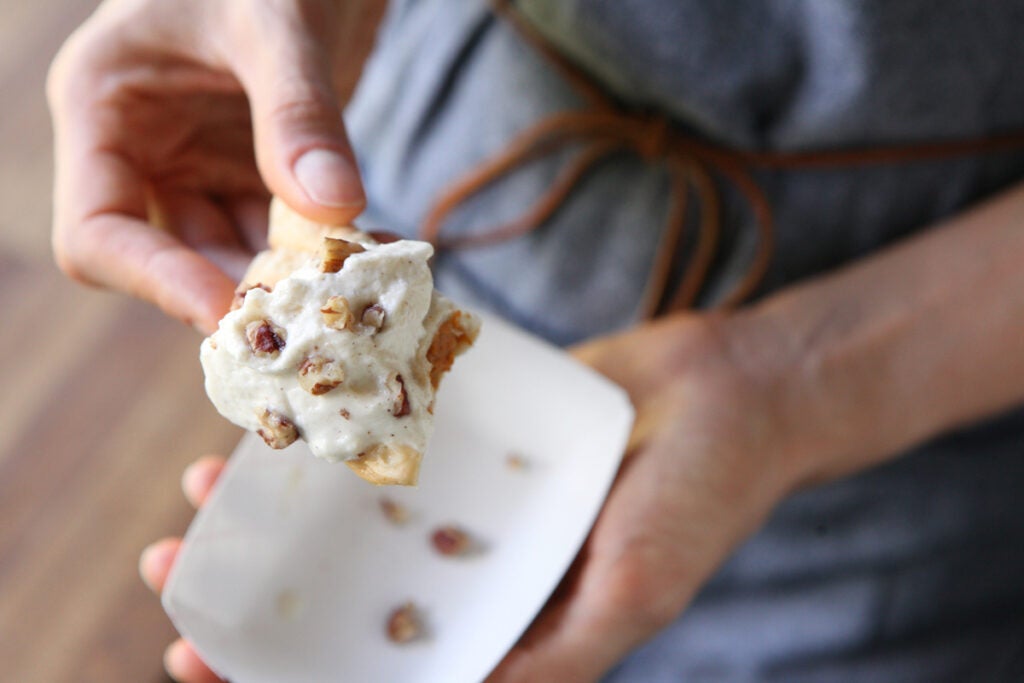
(157, 107)
(820, 380)
(709, 458)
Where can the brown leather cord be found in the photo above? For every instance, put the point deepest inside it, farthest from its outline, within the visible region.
(604, 128)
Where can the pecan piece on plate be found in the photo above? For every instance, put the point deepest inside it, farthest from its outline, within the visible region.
(516, 461)
(395, 513)
(450, 540)
(403, 624)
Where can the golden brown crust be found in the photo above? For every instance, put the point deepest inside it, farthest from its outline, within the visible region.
(388, 465)
(270, 267)
(288, 230)
(451, 339)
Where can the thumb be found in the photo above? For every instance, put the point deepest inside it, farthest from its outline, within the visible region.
(302, 149)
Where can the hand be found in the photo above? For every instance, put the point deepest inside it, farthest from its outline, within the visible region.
(708, 461)
(818, 381)
(157, 107)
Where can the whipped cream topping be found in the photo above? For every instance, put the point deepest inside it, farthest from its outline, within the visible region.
(339, 359)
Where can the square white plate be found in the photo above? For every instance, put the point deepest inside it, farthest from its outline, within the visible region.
(290, 571)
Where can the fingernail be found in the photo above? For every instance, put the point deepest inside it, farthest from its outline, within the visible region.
(143, 561)
(171, 661)
(176, 660)
(191, 480)
(154, 555)
(197, 480)
(329, 179)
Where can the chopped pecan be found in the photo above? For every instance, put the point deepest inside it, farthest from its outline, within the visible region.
(403, 624)
(318, 375)
(450, 540)
(400, 402)
(243, 289)
(345, 414)
(515, 461)
(335, 252)
(289, 605)
(276, 429)
(337, 313)
(395, 512)
(265, 338)
(372, 318)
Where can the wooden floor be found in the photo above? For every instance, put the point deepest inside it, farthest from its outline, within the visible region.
(101, 409)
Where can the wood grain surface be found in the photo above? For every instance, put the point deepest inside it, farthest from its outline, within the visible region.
(102, 407)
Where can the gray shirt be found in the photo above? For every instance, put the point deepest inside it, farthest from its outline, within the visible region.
(909, 572)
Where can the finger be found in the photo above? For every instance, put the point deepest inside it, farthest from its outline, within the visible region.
(249, 213)
(184, 665)
(156, 561)
(198, 479)
(126, 254)
(204, 225)
(302, 149)
(569, 640)
(599, 612)
(102, 236)
(573, 639)
(557, 647)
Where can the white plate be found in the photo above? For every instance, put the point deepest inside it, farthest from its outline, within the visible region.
(291, 569)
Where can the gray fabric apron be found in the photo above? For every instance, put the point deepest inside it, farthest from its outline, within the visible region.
(913, 571)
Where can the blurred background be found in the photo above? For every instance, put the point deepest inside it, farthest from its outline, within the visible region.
(102, 408)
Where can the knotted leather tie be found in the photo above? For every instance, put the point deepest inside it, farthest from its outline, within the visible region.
(603, 127)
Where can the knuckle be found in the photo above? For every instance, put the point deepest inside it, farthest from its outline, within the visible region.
(72, 75)
(303, 105)
(58, 76)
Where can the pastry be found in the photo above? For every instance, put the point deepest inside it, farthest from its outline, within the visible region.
(341, 341)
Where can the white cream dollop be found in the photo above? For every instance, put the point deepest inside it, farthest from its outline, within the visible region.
(365, 409)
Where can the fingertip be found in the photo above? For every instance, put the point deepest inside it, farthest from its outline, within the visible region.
(330, 180)
(304, 154)
(303, 151)
(184, 665)
(156, 561)
(198, 479)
